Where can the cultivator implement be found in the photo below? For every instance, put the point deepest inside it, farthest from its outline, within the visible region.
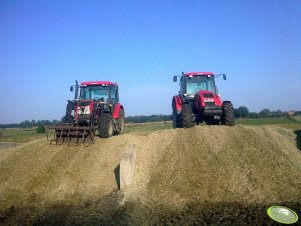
(68, 134)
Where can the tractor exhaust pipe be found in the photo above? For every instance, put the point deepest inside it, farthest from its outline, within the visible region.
(76, 90)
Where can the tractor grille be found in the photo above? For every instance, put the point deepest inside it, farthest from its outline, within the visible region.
(209, 100)
(210, 104)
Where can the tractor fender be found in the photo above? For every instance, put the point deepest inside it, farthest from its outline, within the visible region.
(116, 110)
(226, 101)
(177, 102)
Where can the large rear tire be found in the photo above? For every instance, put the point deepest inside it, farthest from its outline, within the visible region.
(228, 114)
(120, 122)
(186, 116)
(106, 126)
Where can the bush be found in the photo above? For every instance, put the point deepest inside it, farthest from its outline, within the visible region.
(41, 129)
(243, 112)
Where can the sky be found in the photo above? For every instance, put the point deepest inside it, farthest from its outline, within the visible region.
(46, 45)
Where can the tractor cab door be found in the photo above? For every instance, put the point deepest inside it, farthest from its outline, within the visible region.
(113, 95)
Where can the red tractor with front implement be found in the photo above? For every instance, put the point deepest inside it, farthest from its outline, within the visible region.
(97, 108)
(198, 101)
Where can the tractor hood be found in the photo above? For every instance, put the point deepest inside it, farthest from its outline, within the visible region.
(207, 99)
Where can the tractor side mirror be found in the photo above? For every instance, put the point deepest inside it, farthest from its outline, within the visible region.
(224, 76)
(175, 78)
(71, 88)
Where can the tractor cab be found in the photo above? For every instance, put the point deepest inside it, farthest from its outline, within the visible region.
(103, 91)
(192, 83)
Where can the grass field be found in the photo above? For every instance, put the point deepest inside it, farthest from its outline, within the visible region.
(144, 129)
(267, 121)
(293, 123)
(19, 135)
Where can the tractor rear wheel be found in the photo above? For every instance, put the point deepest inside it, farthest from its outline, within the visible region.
(175, 118)
(120, 122)
(228, 114)
(186, 116)
(105, 126)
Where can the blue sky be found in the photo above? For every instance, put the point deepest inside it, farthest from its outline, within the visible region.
(46, 45)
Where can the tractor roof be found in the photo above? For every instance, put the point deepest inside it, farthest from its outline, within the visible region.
(198, 74)
(98, 83)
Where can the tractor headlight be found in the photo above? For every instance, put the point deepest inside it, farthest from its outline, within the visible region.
(87, 110)
(83, 110)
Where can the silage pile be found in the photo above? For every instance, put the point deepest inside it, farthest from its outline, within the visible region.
(203, 175)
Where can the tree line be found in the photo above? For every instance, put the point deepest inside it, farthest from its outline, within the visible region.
(240, 112)
(243, 112)
(31, 124)
(148, 118)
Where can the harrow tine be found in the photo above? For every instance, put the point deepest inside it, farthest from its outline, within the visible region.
(84, 136)
(61, 135)
(69, 137)
(76, 137)
(67, 134)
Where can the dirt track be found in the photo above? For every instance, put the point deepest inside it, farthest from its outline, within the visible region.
(204, 175)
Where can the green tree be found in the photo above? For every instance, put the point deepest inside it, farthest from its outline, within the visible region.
(26, 124)
(265, 113)
(277, 113)
(236, 114)
(253, 115)
(243, 111)
(41, 129)
(33, 122)
(55, 122)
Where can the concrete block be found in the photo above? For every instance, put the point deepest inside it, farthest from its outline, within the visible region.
(127, 166)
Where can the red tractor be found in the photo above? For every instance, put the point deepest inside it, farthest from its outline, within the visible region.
(96, 108)
(198, 101)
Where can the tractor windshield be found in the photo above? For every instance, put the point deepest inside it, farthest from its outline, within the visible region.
(94, 92)
(197, 83)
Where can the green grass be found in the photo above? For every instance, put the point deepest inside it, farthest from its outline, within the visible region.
(19, 135)
(146, 128)
(297, 117)
(288, 122)
(266, 121)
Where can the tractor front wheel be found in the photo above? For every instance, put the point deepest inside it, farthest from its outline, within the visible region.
(105, 126)
(228, 114)
(186, 116)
